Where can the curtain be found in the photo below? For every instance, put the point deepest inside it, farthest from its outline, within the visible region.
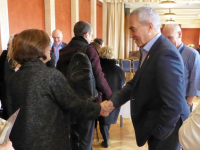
(115, 27)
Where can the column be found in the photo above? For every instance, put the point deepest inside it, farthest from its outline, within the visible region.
(74, 14)
(49, 6)
(127, 34)
(4, 25)
(93, 15)
(105, 22)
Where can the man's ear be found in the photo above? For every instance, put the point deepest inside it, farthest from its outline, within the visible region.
(179, 34)
(150, 26)
(86, 35)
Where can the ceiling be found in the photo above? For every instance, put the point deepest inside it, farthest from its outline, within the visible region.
(187, 12)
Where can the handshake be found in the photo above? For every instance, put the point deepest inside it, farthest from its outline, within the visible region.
(106, 108)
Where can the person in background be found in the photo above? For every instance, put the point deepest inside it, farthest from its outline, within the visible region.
(156, 92)
(97, 43)
(8, 67)
(116, 80)
(82, 131)
(7, 146)
(57, 36)
(3, 59)
(44, 97)
(198, 49)
(191, 59)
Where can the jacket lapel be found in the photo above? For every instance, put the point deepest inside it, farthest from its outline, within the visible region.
(147, 59)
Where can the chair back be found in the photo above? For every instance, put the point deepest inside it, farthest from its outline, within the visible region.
(119, 62)
(126, 65)
(135, 65)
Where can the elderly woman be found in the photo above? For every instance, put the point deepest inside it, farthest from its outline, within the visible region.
(43, 96)
(116, 79)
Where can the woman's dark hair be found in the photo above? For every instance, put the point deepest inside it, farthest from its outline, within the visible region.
(30, 44)
(99, 41)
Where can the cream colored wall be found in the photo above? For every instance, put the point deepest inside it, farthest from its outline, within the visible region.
(4, 25)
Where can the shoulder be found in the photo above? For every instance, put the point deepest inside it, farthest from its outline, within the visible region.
(92, 52)
(91, 49)
(164, 46)
(64, 44)
(190, 51)
(53, 73)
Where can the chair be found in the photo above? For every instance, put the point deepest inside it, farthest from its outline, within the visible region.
(119, 62)
(126, 67)
(135, 65)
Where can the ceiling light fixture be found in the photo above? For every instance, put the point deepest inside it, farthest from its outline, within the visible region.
(167, 3)
(170, 21)
(170, 14)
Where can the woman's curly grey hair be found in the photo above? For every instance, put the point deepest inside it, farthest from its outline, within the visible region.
(106, 52)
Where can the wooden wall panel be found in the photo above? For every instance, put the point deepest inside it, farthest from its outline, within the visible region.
(25, 14)
(63, 18)
(99, 19)
(84, 10)
(191, 36)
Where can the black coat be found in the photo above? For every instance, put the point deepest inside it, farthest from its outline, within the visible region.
(116, 79)
(45, 100)
(72, 48)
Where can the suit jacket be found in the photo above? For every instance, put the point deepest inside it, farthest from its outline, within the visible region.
(156, 93)
(45, 100)
(51, 63)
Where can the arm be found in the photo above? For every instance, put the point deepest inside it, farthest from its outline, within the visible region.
(189, 132)
(193, 88)
(123, 95)
(65, 97)
(190, 99)
(101, 82)
(170, 85)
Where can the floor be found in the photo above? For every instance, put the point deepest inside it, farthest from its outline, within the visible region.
(123, 138)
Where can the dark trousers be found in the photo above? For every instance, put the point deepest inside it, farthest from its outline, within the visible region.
(104, 129)
(170, 143)
(81, 135)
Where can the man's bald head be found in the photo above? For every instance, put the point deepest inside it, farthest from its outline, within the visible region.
(57, 37)
(173, 33)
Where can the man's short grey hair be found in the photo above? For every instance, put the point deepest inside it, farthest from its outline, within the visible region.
(146, 15)
(81, 28)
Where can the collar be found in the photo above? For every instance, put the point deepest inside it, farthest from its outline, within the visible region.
(148, 46)
(80, 38)
(179, 49)
(58, 45)
(77, 41)
(34, 62)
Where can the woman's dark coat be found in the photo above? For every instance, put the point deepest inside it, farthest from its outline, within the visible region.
(45, 101)
(116, 79)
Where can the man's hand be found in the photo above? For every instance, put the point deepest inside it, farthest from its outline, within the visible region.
(106, 108)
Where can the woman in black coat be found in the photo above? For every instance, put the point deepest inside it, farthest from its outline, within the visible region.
(116, 79)
(44, 97)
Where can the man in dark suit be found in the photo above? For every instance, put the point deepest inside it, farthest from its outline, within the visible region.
(56, 47)
(156, 92)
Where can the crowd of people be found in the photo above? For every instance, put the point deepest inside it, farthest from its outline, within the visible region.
(34, 77)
